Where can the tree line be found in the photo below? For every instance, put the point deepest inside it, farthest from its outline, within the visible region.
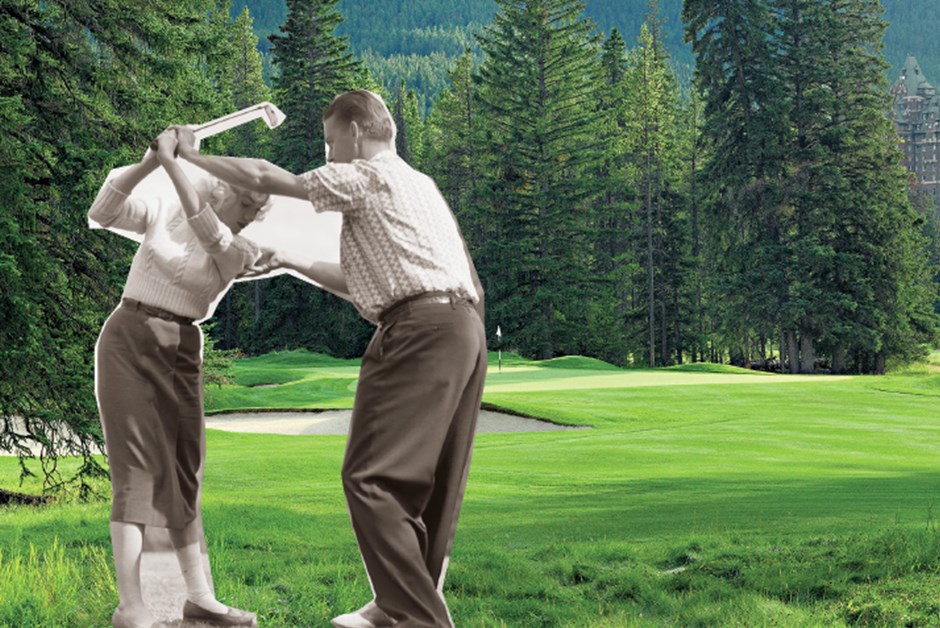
(763, 217)
(611, 211)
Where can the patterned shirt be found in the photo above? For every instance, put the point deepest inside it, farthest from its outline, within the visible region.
(399, 237)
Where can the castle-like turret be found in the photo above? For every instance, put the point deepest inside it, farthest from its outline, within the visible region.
(916, 114)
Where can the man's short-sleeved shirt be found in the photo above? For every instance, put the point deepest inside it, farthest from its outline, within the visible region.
(399, 238)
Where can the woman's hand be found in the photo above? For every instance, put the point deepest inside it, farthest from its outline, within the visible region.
(269, 260)
(166, 145)
(186, 141)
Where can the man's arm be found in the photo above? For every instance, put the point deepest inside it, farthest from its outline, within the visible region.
(256, 175)
(328, 275)
(481, 304)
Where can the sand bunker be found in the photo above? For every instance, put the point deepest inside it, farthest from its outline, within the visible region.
(337, 422)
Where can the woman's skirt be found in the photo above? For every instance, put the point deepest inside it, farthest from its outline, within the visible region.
(148, 381)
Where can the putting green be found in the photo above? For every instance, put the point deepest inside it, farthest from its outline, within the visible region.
(516, 379)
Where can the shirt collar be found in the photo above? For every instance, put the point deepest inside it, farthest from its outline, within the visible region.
(382, 155)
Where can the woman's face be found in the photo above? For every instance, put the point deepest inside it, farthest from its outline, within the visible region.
(235, 206)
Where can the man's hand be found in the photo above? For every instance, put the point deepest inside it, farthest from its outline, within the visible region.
(186, 141)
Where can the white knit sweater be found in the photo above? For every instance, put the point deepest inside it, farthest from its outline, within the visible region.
(182, 265)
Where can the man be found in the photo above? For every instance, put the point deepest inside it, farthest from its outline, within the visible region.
(405, 267)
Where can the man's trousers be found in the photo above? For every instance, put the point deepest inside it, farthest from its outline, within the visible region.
(408, 454)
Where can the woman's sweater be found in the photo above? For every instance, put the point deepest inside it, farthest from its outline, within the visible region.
(182, 265)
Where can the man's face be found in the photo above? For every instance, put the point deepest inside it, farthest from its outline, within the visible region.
(341, 141)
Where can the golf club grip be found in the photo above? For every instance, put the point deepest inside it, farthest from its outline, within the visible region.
(153, 147)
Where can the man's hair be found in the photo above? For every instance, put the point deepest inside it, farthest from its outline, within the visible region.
(367, 109)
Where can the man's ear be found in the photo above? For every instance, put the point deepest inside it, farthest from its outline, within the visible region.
(354, 130)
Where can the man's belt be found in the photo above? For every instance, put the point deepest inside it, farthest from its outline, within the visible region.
(399, 307)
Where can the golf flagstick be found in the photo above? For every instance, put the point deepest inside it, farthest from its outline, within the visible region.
(271, 115)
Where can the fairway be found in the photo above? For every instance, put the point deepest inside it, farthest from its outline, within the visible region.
(706, 496)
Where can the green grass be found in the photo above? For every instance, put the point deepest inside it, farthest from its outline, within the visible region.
(703, 496)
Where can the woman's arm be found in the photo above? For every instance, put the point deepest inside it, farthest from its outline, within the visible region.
(166, 145)
(231, 254)
(256, 175)
(128, 180)
(114, 208)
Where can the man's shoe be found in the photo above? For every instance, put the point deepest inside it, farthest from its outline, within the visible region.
(231, 617)
(369, 616)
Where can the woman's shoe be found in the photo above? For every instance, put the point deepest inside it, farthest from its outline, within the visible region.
(231, 617)
(120, 620)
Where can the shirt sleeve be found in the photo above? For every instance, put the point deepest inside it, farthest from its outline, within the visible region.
(336, 187)
(231, 253)
(113, 208)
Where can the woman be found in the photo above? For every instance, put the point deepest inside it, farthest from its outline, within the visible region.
(148, 367)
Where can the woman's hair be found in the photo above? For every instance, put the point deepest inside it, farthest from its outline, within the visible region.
(213, 191)
(367, 109)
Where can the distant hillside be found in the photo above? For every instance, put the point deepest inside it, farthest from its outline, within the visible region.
(397, 38)
(913, 29)
(422, 26)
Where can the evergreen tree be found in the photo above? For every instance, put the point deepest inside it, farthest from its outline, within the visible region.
(882, 259)
(826, 234)
(241, 71)
(417, 132)
(745, 132)
(314, 65)
(697, 339)
(653, 107)
(83, 89)
(538, 90)
(454, 152)
(615, 229)
(410, 142)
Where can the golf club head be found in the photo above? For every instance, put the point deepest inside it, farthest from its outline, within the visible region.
(272, 115)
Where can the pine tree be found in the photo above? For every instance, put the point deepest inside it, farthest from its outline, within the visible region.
(313, 66)
(652, 117)
(819, 240)
(693, 159)
(538, 90)
(615, 231)
(84, 89)
(241, 72)
(454, 152)
(881, 271)
(745, 132)
(411, 141)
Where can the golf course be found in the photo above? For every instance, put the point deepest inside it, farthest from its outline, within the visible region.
(702, 495)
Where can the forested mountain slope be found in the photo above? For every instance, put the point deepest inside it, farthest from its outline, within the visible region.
(411, 40)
